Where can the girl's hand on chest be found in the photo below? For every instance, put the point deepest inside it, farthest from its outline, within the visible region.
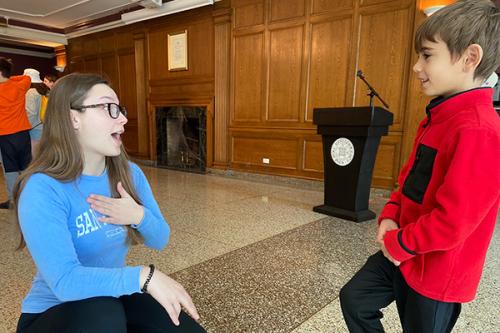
(123, 211)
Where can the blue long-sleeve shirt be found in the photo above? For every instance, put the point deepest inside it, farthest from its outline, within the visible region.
(76, 255)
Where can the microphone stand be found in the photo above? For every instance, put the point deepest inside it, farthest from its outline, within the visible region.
(372, 92)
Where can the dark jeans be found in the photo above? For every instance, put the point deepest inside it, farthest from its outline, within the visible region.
(16, 151)
(376, 285)
(136, 313)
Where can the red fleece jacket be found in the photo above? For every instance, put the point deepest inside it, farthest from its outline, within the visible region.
(448, 199)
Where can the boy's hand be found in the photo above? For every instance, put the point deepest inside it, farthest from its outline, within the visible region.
(384, 226)
(123, 211)
(388, 256)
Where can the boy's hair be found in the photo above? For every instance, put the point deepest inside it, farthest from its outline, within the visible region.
(5, 67)
(462, 24)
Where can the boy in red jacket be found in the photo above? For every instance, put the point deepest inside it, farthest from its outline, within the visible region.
(435, 230)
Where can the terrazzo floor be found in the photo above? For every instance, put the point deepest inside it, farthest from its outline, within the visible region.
(254, 256)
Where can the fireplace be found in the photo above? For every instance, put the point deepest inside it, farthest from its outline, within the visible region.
(181, 137)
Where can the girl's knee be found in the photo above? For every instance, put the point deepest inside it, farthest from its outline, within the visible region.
(100, 315)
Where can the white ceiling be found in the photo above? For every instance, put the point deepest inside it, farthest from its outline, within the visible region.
(61, 13)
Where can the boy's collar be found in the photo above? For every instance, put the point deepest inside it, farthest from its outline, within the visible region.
(440, 106)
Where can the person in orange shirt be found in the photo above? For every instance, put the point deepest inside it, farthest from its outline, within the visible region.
(15, 142)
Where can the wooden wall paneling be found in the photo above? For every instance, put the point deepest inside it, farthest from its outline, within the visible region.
(305, 71)
(386, 167)
(90, 46)
(201, 48)
(249, 148)
(313, 154)
(300, 153)
(375, 2)
(384, 57)
(187, 89)
(198, 80)
(107, 42)
(124, 37)
(353, 63)
(200, 33)
(280, 9)
(92, 64)
(75, 47)
(319, 6)
(386, 64)
(140, 60)
(285, 74)
(247, 76)
(328, 79)
(158, 54)
(210, 126)
(255, 80)
(129, 137)
(184, 18)
(126, 65)
(152, 129)
(248, 13)
(109, 66)
(290, 152)
(222, 31)
(195, 85)
(128, 98)
(76, 64)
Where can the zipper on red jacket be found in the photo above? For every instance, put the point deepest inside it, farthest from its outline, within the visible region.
(417, 157)
(426, 128)
(427, 123)
(418, 152)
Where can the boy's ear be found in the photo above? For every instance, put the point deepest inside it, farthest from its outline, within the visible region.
(75, 119)
(473, 57)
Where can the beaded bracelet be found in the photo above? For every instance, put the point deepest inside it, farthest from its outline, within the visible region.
(144, 288)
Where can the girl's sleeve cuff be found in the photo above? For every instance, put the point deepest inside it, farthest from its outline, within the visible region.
(140, 226)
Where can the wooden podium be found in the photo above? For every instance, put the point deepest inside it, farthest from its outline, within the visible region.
(350, 141)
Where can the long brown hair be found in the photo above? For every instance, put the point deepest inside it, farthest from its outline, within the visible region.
(59, 153)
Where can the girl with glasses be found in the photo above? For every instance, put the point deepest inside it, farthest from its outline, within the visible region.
(80, 204)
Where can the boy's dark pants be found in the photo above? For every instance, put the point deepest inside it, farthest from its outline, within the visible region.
(376, 285)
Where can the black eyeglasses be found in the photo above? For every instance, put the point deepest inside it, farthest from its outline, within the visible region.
(113, 109)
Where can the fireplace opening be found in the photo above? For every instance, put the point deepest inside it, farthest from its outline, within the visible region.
(181, 138)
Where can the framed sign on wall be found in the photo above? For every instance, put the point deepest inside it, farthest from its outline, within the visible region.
(178, 51)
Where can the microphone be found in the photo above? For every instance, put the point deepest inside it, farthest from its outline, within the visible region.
(372, 90)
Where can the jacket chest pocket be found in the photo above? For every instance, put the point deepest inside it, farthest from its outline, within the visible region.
(418, 179)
